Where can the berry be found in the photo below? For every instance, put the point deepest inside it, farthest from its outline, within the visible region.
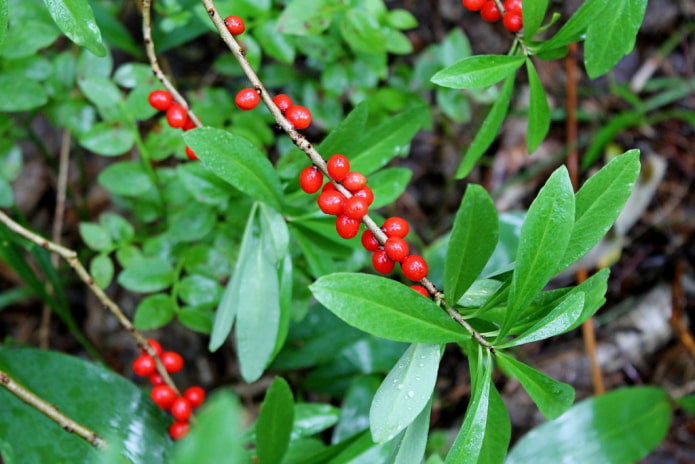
(191, 154)
(235, 25)
(156, 379)
(355, 207)
(310, 179)
(381, 262)
(247, 99)
(298, 116)
(347, 227)
(338, 167)
(173, 362)
(160, 100)
(195, 396)
(181, 409)
(513, 22)
(163, 396)
(512, 6)
(156, 346)
(414, 267)
(366, 193)
(396, 248)
(282, 101)
(144, 365)
(331, 202)
(329, 186)
(369, 241)
(421, 290)
(353, 181)
(395, 227)
(189, 125)
(473, 5)
(490, 12)
(177, 117)
(178, 430)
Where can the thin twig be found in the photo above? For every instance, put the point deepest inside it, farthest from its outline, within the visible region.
(51, 411)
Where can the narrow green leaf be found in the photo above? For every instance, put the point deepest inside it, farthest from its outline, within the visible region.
(478, 71)
(76, 19)
(599, 202)
(238, 162)
(608, 131)
(576, 25)
(487, 132)
(274, 425)
(96, 236)
(533, 13)
(147, 275)
(498, 431)
(4, 19)
(553, 398)
(154, 312)
(354, 411)
(342, 138)
(203, 185)
(473, 239)
(404, 392)
(619, 427)
(538, 110)
(411, 447)
(313, 418)
(385, 308)
(275, 232)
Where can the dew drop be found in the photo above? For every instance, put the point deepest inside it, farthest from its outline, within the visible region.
(410, 394)
(400, 386)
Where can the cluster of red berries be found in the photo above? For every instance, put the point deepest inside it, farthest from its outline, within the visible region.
(180, 406)
(177, 116)
(351, 210)
(511, 18)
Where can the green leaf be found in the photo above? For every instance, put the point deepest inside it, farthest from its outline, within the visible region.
(342, 138)
(354, 412)
(538, 110)
(411, 447)
(108, 139)
(401, 19)
(279, 46)
(191, 223)
(101, 91)
(6, 194)
(619, 427)
(198, 290)
(198, 319)
(274, 425)
(533, 14)
(498, 431)
(487, 132)
(147, 275)
(553, 398)
(611, 35)
(576, 25)
(101, 269)
(25, 38)
(203, 185)
(362, 32)
(404, 392)
(687, 403)
(389, 184)
(95, 236)
(238, 162)
(599, 202)
(306, 17)
(385, 308)
(92, 395)
(76, 19)
(20, 93)
(473, 239)
(154, 312)
(478, 71)
(120, 229)
(542, 243)
(4, 18)
(313, 418)
(276, 235)
(127, 178)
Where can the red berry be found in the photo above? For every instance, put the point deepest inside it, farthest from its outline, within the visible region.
(144, 365)
(163, 396)
(395, 227)
(173, 362)
(160, 100)
(421, 290)
(512, 6)
(381, 262)
(369, 241)
(513, 22)
(181, 409)
(156, 346)
(331, 202)
(338, 167)
(490, 12)
(191, 154)
(473, 5)
(347, 227)
(156, 379)
(282, 101)
(235, 25)
(396, 248)
(355, 207)
(247, 99)
(298, 116)
(353, 181)
(414, 267)
(189, 125)
(329, 186)
(310, 179)
(195, 396)
(177, 117)
(366, 193)
(178, 430)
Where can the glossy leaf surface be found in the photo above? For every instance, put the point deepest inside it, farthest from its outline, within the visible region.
(274, 425)
(478, 71)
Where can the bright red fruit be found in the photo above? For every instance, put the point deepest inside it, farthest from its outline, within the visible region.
(156, 346)
(421, 290)
(298, 116)
(163, 396)
(173, 362)
(347, 227)
(353, 181)
(189, 125)
(396, 248)
(355, 207)
(144, 365)
(282, 101)
(473, 5)
(310, 179)
(382, 263)
(247, 99)
(414, 267)
(160, 100)
(331, 202)
(178, 430)
(181, 409)
(177, 117)
(338, 167)
(513, 22)
(195, 396)
(369, 241)
(395, 227)
(490, 12)
(328, 186)
(366, 193)
(156, 379)
(235, 25)
(191, 154)
(512, 6)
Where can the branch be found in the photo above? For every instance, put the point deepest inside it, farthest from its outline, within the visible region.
(51, 412)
